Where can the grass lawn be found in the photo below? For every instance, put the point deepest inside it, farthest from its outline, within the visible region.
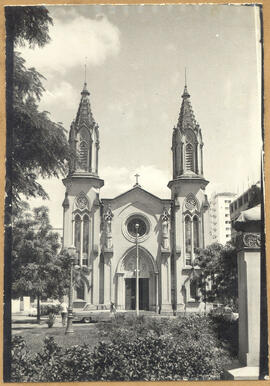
(34, 337)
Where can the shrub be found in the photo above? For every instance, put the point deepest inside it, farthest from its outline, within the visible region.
(46, 309)
(139, 349)
(227, 333)
(51, 319)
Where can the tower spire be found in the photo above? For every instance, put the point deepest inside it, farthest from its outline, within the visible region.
(85, 64)
(185, 93)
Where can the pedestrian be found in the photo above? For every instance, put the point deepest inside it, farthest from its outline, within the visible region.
(64, 311)
(113, 309)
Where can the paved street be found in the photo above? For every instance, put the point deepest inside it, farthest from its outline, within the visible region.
(24, 322)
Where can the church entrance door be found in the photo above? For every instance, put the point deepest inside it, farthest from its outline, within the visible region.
(131, 294)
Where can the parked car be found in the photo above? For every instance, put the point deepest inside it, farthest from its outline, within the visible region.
(89, 313)
(226, 311)
(32, 310)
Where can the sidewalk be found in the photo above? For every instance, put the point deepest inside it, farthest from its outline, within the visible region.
(23, 322)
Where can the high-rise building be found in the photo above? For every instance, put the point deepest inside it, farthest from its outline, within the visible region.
(220, 218)
(105, 232)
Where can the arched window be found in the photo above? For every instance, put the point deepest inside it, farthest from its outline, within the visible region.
(86, 230)
(192, 238)
(188, 240)
(80, 290)
(193, 288)
(77, 233)
(189, 157)
(196, 240)
(83, 155)
(82, 238)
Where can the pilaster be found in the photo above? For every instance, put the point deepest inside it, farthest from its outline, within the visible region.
(166, 302)
(249, 293)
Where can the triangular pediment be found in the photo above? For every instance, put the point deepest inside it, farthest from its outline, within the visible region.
(137, 194)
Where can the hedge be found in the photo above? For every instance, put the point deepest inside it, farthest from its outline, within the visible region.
(139, 350)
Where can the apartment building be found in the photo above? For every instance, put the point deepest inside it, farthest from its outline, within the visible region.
(220, 219)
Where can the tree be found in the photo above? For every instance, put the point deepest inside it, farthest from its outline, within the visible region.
(36, 146)
(37, 270)
(40, 146)
(25, 25)
(217, 279)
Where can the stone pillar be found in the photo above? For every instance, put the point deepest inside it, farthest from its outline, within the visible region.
(95, 275)
(108, 253)
(166, 302)
(120, 291)
(248, 259)
(157, 294)
(201, 148)
(107, 278)
(249, 293)
(178, 258)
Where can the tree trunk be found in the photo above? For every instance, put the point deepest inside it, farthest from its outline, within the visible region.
(8, 201)
(205, 297)
(38, 310)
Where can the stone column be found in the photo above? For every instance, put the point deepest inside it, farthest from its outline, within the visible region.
(248, 243)
(107, 278)
(182, 158)
(157, 294)
(201, 148)
(178, 257)
(108, 253)
(120, 291)
(196, 159)
(249, 279)
(166, 302)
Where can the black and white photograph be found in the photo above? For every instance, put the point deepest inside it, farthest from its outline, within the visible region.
(134, 209)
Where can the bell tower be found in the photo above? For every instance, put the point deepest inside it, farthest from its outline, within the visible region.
(84, 139)
(190, 220)
(81, 206)
(187, 144)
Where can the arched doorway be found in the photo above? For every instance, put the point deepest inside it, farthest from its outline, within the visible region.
(126, 286)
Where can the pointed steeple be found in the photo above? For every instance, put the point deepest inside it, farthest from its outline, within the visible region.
(84, 114)
(84, 137)
(186, 116)
(187, 144)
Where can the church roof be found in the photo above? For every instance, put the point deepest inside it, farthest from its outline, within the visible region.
(186, 116)
(140, 189)
(84, 114)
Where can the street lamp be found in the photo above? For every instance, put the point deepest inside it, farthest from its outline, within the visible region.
(137, 270)
(69, 329)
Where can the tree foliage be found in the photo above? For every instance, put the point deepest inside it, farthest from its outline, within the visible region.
(37, 269)
(218, 273)
(28, 24)
(38, 146)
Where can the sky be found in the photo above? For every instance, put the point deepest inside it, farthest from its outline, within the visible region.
(136, 57)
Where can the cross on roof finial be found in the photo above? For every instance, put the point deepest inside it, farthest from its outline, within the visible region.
(137, 182)
(185, 77)
(85, 69)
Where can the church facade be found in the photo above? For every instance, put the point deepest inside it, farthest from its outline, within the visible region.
(108, 233)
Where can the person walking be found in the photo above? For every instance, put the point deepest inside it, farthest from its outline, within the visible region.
(64, 312)
(113, 309)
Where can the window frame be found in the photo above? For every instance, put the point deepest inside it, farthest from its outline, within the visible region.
(188, 261)
(79, 218)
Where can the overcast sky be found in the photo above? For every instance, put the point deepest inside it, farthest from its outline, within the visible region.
(136, 56)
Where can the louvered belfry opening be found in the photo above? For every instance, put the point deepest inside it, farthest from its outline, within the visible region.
(189, 158)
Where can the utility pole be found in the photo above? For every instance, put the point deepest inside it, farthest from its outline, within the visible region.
(137, 270)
